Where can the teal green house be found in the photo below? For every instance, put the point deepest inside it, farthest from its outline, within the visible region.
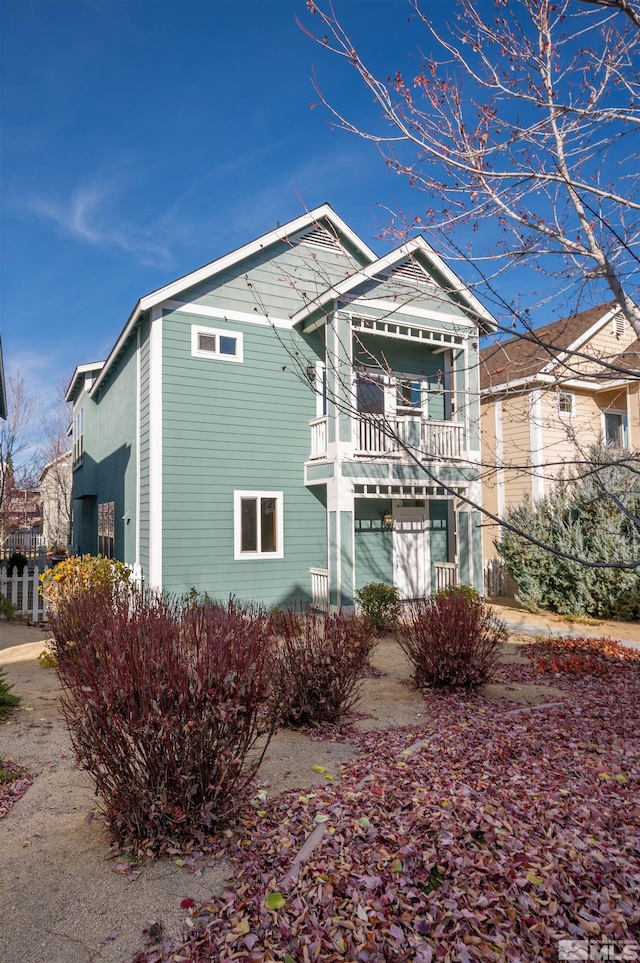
(289, 422)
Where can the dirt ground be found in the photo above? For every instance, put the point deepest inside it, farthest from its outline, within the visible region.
(63, 896)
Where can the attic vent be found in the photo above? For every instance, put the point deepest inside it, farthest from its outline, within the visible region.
(410, 271)
(319, 237)
(618, 325)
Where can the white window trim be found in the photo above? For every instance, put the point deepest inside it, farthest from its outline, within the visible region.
(568, 394)
(238, 554)
(197, 352)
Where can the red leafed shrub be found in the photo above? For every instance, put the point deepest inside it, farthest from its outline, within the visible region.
(580, 655)
(165, 705)
(321, 661)
(451, 640)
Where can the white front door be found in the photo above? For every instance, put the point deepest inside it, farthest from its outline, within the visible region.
(411, 561)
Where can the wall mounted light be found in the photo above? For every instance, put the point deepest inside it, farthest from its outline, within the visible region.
(387, 518)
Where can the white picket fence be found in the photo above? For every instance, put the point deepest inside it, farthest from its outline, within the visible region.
(23, 591)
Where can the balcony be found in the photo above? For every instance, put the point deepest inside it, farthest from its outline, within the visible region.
(380, 437)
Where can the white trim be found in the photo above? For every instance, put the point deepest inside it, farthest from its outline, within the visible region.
(238, 554)
(223, 314)
(499, 414)
(370, 271)
(138, 435)
(388, 307)
(155, 449)
(216, 355)
(79, 370)
(572, 398)
(535, 440)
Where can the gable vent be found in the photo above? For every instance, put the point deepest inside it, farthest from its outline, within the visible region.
(320, 237)
(410, 271)
(618, 325)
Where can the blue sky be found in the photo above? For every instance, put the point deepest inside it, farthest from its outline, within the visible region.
(143, 138)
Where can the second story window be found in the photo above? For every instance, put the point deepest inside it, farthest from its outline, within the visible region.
(216, 343)
(369, 395)
(78, 437)
(408, 395)
(565, 403)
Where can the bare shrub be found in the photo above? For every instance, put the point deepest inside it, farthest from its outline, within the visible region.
(451, 641)
(321, 661)
(165, 705)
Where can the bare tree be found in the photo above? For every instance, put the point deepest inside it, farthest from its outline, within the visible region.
(56, 474)
(527, 117)
(16, 441)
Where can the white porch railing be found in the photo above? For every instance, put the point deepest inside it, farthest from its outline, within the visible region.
(23, 592)
(318, 437)
(446, 575)
(320, 589)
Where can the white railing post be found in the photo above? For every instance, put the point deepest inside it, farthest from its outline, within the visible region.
(320, 588)
(318, 437)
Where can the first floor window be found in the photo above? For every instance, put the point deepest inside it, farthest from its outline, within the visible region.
(106, 529)
(615, 428)
(258, 524)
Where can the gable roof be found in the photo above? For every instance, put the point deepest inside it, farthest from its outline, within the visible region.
(324, 214)
(537, 351)
(434, 265)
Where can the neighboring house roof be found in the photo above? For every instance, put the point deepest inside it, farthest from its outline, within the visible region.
(65, 456)
(630, 358)
(3, 389)
(537, 351)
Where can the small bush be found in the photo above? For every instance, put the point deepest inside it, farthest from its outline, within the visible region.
(8, 610)
(165, 705)
(381, 604)
(461, 591)
(8, 700)
(81, 574)
(17, 561)
(451, 641)
(320, 663)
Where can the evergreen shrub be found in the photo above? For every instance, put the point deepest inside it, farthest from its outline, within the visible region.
(592, 516)
(380, 603)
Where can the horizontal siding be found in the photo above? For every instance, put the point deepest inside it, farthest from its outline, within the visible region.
(281, 279)
(231, 426)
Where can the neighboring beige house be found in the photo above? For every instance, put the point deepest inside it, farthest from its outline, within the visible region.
(550, 394)
(55, 491)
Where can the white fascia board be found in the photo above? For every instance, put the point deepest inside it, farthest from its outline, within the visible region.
(169, 291)
(80, 370)
(224, 314)
(582, 340)
(369, 272)
(424, 316)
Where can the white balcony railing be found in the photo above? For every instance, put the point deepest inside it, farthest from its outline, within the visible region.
(442, 439)
(377, 435)
(318, 437)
